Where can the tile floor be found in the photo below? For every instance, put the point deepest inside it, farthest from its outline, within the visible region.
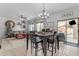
(17, 47)
(13, 47)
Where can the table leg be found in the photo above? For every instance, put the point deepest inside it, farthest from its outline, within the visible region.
(27, 41)
(0, 46)
(45, 46)
(58, 42)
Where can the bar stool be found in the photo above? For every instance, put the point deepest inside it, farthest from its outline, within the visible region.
(53, 40)
(34, 42)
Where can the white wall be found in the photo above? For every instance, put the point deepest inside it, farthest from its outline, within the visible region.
(2, 25)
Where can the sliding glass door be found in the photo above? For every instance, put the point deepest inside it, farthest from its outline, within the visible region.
(70, 31)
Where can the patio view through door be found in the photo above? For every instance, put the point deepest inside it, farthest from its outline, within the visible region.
(70, 31)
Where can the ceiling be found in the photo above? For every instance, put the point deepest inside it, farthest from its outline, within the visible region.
(31, 10)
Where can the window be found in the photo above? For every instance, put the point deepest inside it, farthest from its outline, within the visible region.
(31, 27)
(39, 26)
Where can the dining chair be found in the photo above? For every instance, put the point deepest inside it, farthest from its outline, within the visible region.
(50, 41)
(53, 40)
(56, 40)
(35, 40)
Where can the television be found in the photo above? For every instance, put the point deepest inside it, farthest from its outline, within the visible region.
(72, 22)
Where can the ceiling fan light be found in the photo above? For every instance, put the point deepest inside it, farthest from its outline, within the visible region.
(47, 14)
(46, 17)
(42, 17)
(44, 14)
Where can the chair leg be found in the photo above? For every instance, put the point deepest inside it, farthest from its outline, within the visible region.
(42, 47)
(31, 47)
(52, 49)
(48, 45)
(58, 44)
(36, 49)
(55, 47)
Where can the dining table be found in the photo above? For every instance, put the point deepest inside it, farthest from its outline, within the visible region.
(44, 36)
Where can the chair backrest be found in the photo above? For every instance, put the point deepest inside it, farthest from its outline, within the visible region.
(33, 38)
(51, 38)
(55, 35)
(32, 34)
(61, 36)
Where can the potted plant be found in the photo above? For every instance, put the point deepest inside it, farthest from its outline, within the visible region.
(43, 30)
(47, 30)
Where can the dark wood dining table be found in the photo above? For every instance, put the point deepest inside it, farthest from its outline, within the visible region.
(44, 36)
